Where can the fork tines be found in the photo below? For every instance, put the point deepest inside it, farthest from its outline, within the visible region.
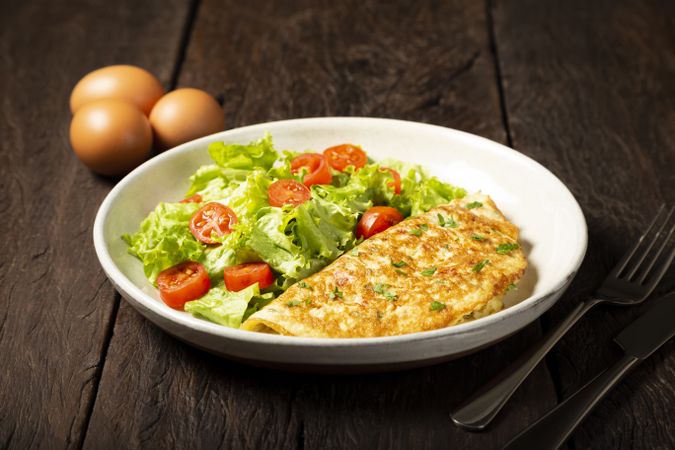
(636, 266)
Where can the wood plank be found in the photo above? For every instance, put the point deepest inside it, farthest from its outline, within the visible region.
(428, 62)
(590, 93)
(55, 302)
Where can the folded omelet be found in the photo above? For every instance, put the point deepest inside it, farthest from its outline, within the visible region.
(447, 266)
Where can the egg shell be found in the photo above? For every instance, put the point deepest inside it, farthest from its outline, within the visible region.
(122, 82)
(183, 115)
(110, 136)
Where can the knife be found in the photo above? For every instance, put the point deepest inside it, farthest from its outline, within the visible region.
(639, 340)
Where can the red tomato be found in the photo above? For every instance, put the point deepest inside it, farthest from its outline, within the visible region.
(376, 220)
(243, 275)
(212, 218)
(288, 192)
(396, 184)
(182, 283)
(318, 170)
(193, 199)
(342, 156)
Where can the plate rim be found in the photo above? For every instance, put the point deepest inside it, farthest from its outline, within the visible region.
(120, 280)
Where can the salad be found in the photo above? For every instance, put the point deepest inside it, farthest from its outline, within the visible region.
(257, 221)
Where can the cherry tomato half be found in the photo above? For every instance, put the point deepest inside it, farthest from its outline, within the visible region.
(376, 220)
(182, 283)
(342, 156)
(212, 218)
(192, 199)
(318, 170)
(243, 275)
(287, 192)
(396, 184)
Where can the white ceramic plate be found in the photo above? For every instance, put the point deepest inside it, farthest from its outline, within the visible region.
(553, 235)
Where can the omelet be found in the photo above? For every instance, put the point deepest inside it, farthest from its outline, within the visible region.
(441, 268)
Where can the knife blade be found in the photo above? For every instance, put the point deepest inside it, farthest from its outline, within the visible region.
(639, 340)
(651, 330)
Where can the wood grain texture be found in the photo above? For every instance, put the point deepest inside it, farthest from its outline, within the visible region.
(429, 62)
(55, 302)
(592, 97)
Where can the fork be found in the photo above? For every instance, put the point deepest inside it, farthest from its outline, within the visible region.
(630, 282)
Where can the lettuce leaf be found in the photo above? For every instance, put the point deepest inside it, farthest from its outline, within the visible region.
(258, 303)
(298, 241)
(431, 192)
(164, 238)
(216, 259)
(257, 154)
(222, 306)
(248, 196)
(271, 242)
(353, 196)
(203, 179)
(325, 229)
(282, 169)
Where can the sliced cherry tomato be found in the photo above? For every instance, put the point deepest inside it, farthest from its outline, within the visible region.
(182, 283)
(212, 218)
(396, 184)
(192, 199)
(376, 220)
(318, 170)
(288, 192)
(243, 275)
(342, 156)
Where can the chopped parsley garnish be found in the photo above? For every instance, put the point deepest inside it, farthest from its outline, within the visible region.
(428, 272)
(292, 303)
(477, 237)
(335, 293)
(473, 205)
(401, 272)
(399, 263)
(382, 290)
(308, 301)
(512, 287)
(436, 306)
(504, 249)
(304, 285)
(419, 230)
(478, 267)
(380, 315)
(447, 222)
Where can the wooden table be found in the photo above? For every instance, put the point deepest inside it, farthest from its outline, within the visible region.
(585, 88)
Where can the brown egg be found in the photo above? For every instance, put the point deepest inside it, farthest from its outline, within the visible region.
(110, 136)
(183, 115)
(129, 83)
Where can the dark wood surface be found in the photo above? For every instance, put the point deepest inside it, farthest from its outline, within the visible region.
(586, 88)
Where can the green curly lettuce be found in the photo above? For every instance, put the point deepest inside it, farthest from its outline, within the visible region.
(225, 307)
(164, 239)
(258, 154)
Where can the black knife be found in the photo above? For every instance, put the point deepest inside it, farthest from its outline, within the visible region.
(639, 340)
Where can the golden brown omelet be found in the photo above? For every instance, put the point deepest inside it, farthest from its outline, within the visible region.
(449, 265)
